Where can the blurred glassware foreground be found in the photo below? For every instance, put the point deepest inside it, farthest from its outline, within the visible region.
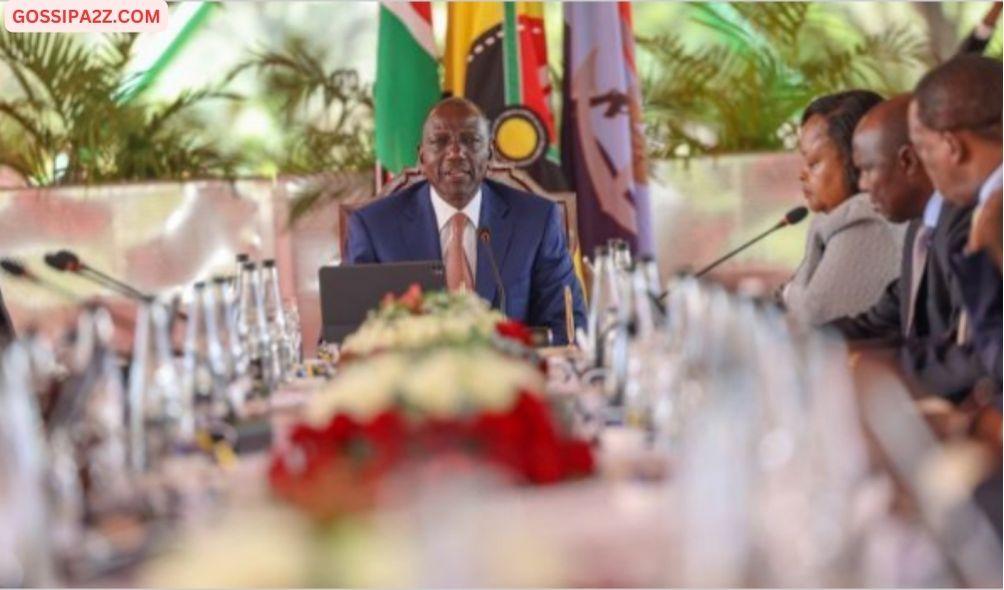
(731, 442)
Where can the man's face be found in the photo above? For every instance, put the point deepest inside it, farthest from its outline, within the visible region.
(885, 176)
(935, 151)
(454, 152)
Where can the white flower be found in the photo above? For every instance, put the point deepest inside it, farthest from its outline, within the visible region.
(493, 380)
(361, 390)
(433, 386)
(441, 383)
(418, 364)
(445, 318)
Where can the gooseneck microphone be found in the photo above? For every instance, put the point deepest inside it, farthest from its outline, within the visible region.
(67, 261)
(16, 269)
(485, 237)
(790, 218)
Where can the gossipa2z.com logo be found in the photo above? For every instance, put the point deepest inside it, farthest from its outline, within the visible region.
(82, 16)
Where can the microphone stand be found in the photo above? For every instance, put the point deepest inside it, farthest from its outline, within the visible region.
(113, 283)
(485, 236)
(17, 270)
(739, 249)
(67, 261)
(79, 268)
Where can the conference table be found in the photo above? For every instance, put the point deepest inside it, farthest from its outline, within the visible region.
(608, 530)
(628, 526)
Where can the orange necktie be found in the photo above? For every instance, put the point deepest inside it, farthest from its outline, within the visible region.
(458, 271)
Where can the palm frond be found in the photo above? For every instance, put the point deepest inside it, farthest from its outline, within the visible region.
(745, 89)
(69, 110)
(328, 111)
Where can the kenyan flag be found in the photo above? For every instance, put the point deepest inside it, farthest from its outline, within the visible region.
(407, 81)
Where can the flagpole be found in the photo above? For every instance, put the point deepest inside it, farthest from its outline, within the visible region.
(378, 177)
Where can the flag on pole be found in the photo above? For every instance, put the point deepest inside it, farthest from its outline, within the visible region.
(602, 140)
(407, 81)
(496, 56)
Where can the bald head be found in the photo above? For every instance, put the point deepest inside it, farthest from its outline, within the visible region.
(455, 150)
(456, 106)
(887, 121)
(890, 171)
(962, 93)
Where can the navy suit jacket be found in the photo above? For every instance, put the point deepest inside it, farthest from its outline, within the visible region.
(526, 237)
(980, 282)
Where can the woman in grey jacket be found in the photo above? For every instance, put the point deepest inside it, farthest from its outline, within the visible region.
(851, 252)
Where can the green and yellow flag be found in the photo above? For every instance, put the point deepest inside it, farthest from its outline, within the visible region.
(496, 55)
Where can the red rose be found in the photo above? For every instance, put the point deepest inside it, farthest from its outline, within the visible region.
(515, 330)
(338, 469)
(412, 298)
(577, 457)
(500, 437)
(341, 428)
(439, 435)
(386, 437)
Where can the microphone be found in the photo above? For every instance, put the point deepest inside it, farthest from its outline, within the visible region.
(16, 269)
(790, 218)
(67, 261)
(485, 237)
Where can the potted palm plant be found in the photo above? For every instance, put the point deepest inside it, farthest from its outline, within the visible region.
(67, 120)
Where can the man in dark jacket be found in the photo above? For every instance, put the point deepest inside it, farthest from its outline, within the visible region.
(6, 325)
(919, 312)
(955, 124)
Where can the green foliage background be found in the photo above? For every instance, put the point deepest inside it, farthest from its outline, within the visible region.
(275, 87)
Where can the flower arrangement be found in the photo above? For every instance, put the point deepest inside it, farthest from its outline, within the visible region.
(390, 410)
(433, 376)
(417, 320)
(439, 383)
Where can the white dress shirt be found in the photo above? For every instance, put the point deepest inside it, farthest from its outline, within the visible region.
(991, 184)
(932, 211)
(444, 212)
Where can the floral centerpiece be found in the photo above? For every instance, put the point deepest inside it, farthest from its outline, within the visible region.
(402, 421)
(402, 408)
(417, 320)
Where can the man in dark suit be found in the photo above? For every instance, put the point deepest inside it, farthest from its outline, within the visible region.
(955, 124)
(918, 314)
(445, 218)
(6, 325)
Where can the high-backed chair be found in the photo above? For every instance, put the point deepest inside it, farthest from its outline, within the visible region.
(502, 173)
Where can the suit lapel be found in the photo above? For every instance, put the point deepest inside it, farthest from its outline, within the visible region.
(495, 217)
(906, 277)
(919, 255)
(418, 226)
